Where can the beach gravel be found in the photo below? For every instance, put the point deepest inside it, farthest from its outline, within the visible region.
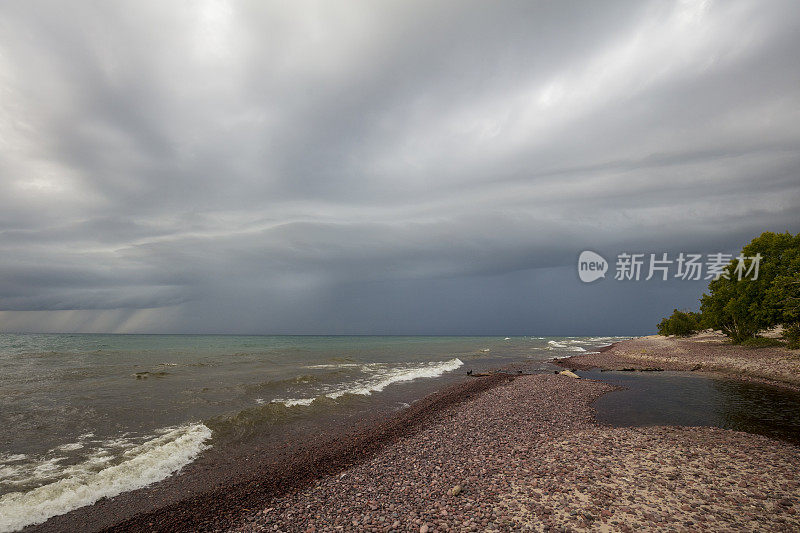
(527, 455)
(705, 352)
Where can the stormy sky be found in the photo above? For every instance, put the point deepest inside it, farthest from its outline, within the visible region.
(383, 167)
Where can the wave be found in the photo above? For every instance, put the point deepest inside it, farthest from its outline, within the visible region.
(303, 379)
(142, 465)
(555, 344)
(335, 365)
(321, 398)
(379, 381)
(249, 421)
(571, 345)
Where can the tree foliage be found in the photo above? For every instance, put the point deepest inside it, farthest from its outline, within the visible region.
(740, 308)
(681, 323)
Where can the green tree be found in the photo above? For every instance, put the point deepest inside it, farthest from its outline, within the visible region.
(783, 295)
(740, 308)
(681, 323)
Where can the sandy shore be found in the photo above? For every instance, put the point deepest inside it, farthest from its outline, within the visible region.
(527, 455)
(705, 352)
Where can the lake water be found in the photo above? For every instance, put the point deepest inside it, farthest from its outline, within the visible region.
(89, 416)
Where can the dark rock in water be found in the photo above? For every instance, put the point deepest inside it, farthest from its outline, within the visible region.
(697, 367)
(145, 375)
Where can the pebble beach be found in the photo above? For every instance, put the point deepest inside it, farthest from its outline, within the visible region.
(506, 451)
(706, 352)
(527, 455)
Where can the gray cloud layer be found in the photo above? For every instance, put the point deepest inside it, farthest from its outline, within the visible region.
(372, 167)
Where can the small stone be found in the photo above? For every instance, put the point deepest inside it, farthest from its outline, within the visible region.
(423, 528)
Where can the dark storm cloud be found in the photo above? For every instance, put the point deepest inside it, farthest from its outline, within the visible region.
(382, 167)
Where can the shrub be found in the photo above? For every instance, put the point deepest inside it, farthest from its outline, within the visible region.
(761, 342)
(792, 336)
(680, 323)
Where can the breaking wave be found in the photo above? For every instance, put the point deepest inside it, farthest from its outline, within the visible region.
(379, 381)
(87, 482)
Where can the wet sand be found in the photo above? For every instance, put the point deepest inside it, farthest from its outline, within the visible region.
(706, 352)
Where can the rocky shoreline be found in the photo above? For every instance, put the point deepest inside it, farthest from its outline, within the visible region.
(212, 493)
(503, 452)
(706, 352)
(528, 455)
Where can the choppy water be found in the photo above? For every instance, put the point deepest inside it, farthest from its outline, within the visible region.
(90, 416)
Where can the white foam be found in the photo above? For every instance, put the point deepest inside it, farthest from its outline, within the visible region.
(291, 402)
(606, 339)
(382, 379)
(555, 344)
(71, 447)
(144, 464)
(334, 365)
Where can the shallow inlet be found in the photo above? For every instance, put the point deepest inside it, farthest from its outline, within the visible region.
(688, 399)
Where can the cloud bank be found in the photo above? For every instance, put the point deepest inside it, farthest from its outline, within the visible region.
(390, 167)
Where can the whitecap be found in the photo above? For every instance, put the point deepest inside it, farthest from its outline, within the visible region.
(143, 465)
(380, 380)
(72, 446)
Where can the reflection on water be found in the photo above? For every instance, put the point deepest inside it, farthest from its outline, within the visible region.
(685, 399)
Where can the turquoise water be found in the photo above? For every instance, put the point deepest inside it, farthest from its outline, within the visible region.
(87, 416)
